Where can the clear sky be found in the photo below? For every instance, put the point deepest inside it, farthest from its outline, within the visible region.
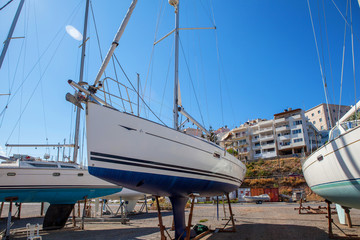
(260, 60)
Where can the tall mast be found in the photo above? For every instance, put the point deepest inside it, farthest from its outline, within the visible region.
(176, 78)
(11, 31)
(77, 123)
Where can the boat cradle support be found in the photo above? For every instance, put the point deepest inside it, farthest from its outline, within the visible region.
(181, 230)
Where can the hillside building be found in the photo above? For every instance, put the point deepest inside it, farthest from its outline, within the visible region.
(322, 119)
(291, 131)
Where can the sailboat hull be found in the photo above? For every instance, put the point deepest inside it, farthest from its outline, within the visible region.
(333, 171)
(148, 157)
(56, 186)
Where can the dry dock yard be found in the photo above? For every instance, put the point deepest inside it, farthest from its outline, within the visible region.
(253, 221)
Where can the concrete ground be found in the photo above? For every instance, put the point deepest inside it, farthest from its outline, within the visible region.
(265, 221)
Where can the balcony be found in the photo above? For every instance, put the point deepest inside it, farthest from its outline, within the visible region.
(255, 131)
(255, 140)
(296, 117)
(284, 137)
(284, 146)
(268, 145)
(280, 120)
(268, 129)
(283, 128)
(256, 147)
(266, 137)
(269, 154)
(298, 144)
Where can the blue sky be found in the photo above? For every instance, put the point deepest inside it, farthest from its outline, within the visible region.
(268, 60)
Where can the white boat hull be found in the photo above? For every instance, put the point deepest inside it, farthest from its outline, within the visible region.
(148, 157)
(58, 186)
(333, 171)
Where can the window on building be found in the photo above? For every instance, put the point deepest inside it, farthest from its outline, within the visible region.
(333, 110)
(296, 131)
(298, 122)
(257, 151)
(322, 127)
(312, 114)
(320, 119)
(319, 112)
(296, 140)
(313, 122)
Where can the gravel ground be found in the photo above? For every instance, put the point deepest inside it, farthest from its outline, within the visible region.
(265, 221)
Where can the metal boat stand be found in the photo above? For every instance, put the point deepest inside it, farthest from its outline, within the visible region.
(9, 224)
(144, 206)
(233, 229)
(330, 222)
(161, 225)
(310, 210)
(17, 214)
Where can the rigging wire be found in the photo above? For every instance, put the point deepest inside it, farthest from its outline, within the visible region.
(343, 60)
(166, 79)
(328, 45)
(12, 96)
(11, 84)
(153, 47)
(137, 91)
(41, 85)
(202, 72)
(192, 83)
(117, 79)
(322, 50)
(353, 60)
(100, 52)
(6, 4)
(219, 74)
(344, 18)
(36, 86)
(220, 63)
(319, 60)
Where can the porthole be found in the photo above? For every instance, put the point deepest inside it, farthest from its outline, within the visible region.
(56, 174)
(80, 174)
(11, 174)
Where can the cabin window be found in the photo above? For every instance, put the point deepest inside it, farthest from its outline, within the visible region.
(56, 174)
(66, 166)
(11, 174)
(80, 174)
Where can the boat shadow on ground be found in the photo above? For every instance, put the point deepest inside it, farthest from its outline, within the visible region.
(147, 215)
(21, 223)
(271, 231)
(70, 233)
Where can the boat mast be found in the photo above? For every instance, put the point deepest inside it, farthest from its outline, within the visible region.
(114, 44)
(175, 4)
(77, 123)
(11, 31)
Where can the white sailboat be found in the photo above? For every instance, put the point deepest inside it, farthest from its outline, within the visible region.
(149, 157)
(26, 179)
(333, 171)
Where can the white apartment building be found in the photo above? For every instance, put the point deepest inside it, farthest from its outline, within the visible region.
(288, 133)
(320, 117)
(239, 139)
(291, 131)
(263, 139)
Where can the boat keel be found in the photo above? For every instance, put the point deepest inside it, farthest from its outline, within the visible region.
(56, 216)
(178, 206)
